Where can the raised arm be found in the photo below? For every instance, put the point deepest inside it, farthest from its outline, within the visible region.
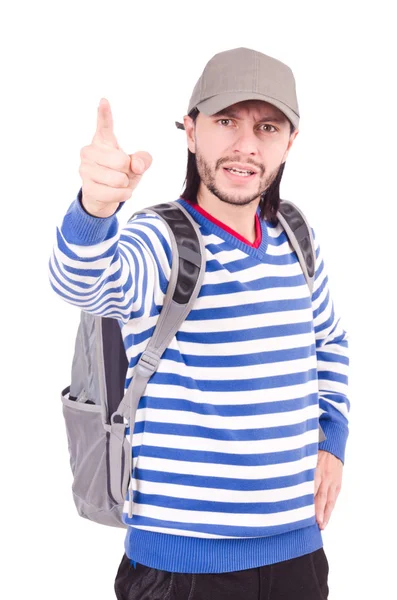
(95, 266)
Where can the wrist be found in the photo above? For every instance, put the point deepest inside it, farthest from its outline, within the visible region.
(100, 210)
(83, 229)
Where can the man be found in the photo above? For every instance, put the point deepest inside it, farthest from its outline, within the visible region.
(231, 484)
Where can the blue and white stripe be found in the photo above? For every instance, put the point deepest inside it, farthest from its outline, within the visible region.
(226, 436)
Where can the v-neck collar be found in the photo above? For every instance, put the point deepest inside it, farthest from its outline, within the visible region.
(257, 249)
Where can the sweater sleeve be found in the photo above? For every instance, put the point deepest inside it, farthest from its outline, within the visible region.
(332, 363)
(107, 271)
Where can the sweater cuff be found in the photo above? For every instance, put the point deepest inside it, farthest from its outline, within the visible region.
(83, 229)
(336, 439)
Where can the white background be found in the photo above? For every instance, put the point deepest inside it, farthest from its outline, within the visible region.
(58, 60)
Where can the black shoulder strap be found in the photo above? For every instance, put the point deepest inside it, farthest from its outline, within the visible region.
(299, 234)
(187, 274)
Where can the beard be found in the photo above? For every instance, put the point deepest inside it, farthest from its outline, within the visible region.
(237, 198)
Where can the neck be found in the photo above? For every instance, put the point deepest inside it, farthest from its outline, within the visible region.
(238, 218)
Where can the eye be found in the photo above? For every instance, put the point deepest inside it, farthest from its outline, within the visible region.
(224, 120)
(268, 125)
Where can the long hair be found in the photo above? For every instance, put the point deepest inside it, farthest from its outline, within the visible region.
(270, 199)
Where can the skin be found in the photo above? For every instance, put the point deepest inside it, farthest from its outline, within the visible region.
(250, 132)
(109, 176)
(327, 486)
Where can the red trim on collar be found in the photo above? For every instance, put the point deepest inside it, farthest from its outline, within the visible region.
(258, 229)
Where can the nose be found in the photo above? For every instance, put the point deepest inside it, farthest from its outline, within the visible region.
(246, 142)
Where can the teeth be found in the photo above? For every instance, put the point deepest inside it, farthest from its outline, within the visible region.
(242, 173)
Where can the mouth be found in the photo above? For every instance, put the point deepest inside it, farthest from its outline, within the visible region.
(239, 175)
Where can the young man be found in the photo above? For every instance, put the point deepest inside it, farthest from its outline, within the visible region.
(231, 484)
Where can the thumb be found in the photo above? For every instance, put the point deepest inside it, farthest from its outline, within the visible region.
(104, 129)
(140, 162)
(317, 480)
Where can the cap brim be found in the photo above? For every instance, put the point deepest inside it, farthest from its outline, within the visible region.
(217, 103)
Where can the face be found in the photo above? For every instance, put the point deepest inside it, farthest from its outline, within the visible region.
(239, 150)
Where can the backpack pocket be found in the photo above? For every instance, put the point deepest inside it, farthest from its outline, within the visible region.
(92, 447)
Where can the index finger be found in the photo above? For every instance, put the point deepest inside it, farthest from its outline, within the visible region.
(104, 129)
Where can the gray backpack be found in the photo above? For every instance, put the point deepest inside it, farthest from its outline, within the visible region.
(95, 409)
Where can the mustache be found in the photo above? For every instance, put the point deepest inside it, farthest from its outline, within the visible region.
(222, 161)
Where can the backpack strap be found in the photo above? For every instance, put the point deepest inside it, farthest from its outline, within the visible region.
(187, 274)
(300, 236)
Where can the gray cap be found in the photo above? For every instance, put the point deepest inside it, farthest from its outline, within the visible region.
(243, 74)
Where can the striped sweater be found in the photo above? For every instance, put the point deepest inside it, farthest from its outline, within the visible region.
(226, 437)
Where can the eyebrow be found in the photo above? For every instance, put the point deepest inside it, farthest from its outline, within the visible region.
(235, 115)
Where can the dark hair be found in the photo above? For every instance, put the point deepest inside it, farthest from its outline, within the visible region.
(270, 199)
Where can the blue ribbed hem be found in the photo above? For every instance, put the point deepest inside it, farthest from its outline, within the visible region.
(83, 229)
(336, 438)
(184, 554)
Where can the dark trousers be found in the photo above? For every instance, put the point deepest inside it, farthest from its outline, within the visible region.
(302, 578)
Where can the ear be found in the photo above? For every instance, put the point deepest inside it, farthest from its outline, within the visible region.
(291, 141)
(190, 133)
